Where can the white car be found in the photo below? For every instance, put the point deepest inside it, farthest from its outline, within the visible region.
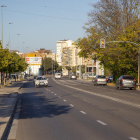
(57, 76)
(41, 81)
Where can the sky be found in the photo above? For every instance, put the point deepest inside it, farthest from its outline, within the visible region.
(41, 23)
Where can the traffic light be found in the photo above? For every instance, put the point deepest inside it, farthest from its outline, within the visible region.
(102, 43)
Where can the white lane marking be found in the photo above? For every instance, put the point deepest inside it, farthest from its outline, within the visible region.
(101, 122)
(104, 96)
(71, 105)
(51, 92)
(59, 96)
(64, 100)
(132, 138)
(83, 112)
(55, 94)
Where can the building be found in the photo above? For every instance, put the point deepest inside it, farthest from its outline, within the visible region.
(59, 48)
(34, 59)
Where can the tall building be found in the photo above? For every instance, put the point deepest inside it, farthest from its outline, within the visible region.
(59, 48)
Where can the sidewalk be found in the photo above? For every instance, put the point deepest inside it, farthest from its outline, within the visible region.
(7, 105)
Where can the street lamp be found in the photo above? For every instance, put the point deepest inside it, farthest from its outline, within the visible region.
(17, 42)
(52, 64)
(9, 37)
(2, 23)
(23, 49)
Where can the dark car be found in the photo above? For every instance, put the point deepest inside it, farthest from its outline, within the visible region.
(110, 79)
(126, 81)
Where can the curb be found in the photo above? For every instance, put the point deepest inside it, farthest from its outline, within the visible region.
(12, 114)
(9, 121)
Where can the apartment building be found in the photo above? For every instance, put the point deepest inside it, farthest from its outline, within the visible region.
(60, 45)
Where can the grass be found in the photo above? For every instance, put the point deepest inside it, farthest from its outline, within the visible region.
(111, 84)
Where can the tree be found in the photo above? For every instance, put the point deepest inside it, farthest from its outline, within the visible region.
(113, 20)
(47, 63)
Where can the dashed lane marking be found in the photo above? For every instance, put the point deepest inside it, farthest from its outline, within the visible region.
(64, 100)
(101, 122)
(103, 96)
(83, 112)
(71, 105)
(59, 96)
(132, 138)
(51, 92)
(55, 94)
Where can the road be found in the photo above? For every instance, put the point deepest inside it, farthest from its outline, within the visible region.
(77, 110)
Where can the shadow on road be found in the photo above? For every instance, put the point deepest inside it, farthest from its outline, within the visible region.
(36, 105)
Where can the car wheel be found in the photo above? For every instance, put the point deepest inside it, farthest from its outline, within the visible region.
(47, 86)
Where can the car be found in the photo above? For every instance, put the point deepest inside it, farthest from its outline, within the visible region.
(57, 75)
(73, 76)
(126, 81)
(100, 80)
(90, 75)
(41, 81)
(34, 79)
(110, 79)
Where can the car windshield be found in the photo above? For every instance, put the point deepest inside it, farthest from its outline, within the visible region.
(101, 76)
(41, 78)
(128, 77)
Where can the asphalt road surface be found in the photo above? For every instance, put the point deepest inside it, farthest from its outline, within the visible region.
(77, 110)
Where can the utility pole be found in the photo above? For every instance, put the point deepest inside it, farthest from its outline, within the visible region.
(52, 63)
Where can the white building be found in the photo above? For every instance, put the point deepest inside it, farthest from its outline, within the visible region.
(59, 46)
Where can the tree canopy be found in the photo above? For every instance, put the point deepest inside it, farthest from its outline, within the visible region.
(113, 20)
(11, 62)
(47, 63)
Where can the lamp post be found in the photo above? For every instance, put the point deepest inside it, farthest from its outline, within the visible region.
(9, 37)
(92, 67)
(44, 65)
(17, 42)
(52, 64)
(23, 49)
(2, 23)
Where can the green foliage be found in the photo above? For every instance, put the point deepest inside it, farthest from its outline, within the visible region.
(59, 68)
(11, 62)
(68, 67)
(47, 63)
(121, 57)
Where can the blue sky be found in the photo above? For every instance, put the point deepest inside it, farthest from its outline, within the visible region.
(41, 23)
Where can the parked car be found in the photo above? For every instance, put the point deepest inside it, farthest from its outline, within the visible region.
(126, 81)
(34, 79)
(41, 81)
(100, 80)
(57, 75)
(110, 79)
(73, 76)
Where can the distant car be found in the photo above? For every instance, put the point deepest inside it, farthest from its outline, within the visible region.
(34, 79)
(90, 75)
(110, 79)
(100, 80)
(41, 81)
(126, 81)
(73, 76)
(57, 75)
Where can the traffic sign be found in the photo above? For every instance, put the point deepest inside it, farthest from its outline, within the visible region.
(92, 70)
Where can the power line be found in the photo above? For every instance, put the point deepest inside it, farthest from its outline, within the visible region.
(43, 6)
(42, 15)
